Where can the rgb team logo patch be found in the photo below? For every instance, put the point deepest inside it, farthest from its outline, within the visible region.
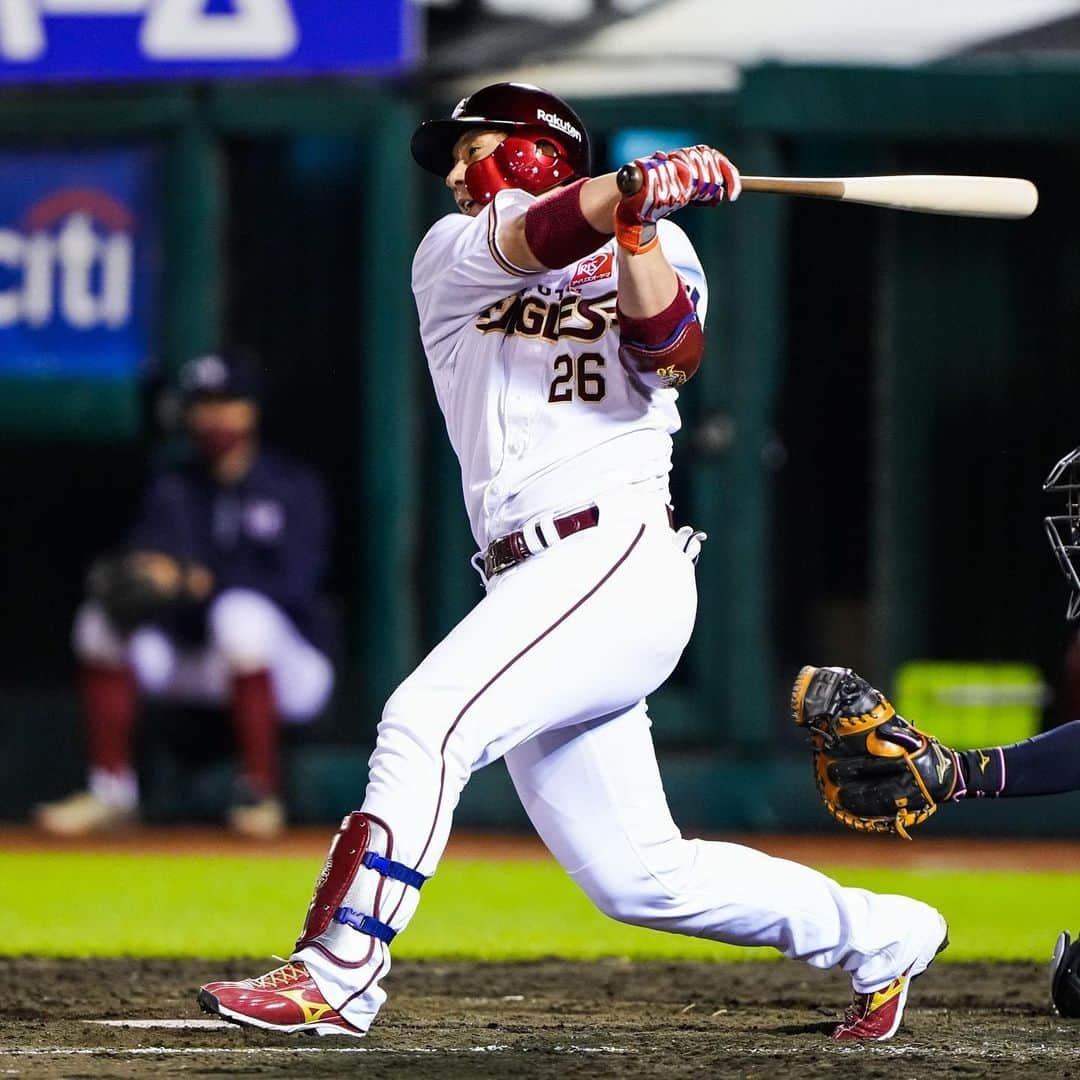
(594, 268)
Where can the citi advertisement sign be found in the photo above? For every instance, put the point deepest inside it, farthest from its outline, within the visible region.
(78, 254)
(109, 40)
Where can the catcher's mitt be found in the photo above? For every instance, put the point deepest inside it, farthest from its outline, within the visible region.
(135, 588)
(874, 771)
(1065, 976)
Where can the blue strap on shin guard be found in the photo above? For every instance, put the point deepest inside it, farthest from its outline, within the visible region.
(389, 869)
(365, 924)
(394, 870)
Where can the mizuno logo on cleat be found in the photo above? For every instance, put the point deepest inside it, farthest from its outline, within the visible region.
(313, 1011)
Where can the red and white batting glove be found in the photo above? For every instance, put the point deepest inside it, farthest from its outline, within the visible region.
(667, 185)
(696, 174)
(715, 178)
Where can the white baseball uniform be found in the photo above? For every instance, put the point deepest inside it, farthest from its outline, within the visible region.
(552, 668)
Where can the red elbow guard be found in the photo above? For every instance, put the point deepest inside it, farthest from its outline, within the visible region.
(556, 230)
(663, 350)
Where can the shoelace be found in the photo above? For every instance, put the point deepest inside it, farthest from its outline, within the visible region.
(281, 976)
(857, 1009)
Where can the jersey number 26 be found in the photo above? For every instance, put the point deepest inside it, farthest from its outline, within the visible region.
(580, 373)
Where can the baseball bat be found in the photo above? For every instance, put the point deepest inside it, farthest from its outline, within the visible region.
(970, 196)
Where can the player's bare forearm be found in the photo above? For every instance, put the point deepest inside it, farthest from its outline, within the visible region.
(647, 283)
(599, 197)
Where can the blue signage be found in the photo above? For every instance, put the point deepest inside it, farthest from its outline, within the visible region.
(78, 254)
(103, 40)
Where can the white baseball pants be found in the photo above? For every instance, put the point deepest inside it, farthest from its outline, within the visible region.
(246, 632)
(550, 671)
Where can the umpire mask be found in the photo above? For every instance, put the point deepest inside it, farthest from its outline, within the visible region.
(1063, 530)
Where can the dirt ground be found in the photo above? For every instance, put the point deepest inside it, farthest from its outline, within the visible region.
(544, 1019)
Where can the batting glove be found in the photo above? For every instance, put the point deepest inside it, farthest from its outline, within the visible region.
(714, 177)
(696, 174)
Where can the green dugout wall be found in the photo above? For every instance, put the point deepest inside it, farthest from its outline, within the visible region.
(864, 444)
(971, 349)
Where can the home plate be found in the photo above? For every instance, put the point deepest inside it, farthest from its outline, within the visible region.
(198, 1025)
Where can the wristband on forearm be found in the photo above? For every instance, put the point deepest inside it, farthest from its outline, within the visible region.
(1047, 764)
(557, 230)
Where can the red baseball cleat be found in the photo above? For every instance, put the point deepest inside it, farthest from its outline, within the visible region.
(285, 999)
(877, 1015)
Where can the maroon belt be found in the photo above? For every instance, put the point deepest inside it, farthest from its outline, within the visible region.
(512, 549)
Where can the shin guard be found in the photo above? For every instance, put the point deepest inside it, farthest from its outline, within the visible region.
(362, 897)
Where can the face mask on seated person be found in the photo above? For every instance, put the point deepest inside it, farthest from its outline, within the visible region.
(216, 442)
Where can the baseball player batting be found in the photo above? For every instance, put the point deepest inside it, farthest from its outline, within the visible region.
(560, 321)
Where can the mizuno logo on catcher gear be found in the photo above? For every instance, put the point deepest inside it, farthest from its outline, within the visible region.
(941, 763)
(559, 124)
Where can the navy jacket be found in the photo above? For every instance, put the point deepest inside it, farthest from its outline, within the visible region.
(269, 533)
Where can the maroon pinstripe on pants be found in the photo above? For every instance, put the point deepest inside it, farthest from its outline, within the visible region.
(502, 671)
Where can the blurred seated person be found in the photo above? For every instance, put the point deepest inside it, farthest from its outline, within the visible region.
(214, 600)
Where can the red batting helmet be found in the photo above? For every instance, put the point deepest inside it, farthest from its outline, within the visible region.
(546, 143)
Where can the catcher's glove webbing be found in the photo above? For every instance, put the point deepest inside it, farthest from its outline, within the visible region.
(874, 771)
(1065, 976)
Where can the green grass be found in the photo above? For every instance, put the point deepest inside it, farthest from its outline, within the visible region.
(96, 905)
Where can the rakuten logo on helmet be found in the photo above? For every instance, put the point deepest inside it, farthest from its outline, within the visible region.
(70, 259)
(558, 123)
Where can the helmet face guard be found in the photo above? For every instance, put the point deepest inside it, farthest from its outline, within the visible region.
(530, 159)
(1063, 530)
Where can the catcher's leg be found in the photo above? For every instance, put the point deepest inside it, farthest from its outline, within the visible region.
(272, 673)
(258, 666)
(109, 684)
(595, 796)
(254, 635)
(109, 694)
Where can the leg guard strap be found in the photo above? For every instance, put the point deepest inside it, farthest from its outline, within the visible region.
(363, 895)
(389, 868)
(365, 924)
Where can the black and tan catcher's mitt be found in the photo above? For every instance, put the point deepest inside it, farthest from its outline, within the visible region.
(875, 772)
